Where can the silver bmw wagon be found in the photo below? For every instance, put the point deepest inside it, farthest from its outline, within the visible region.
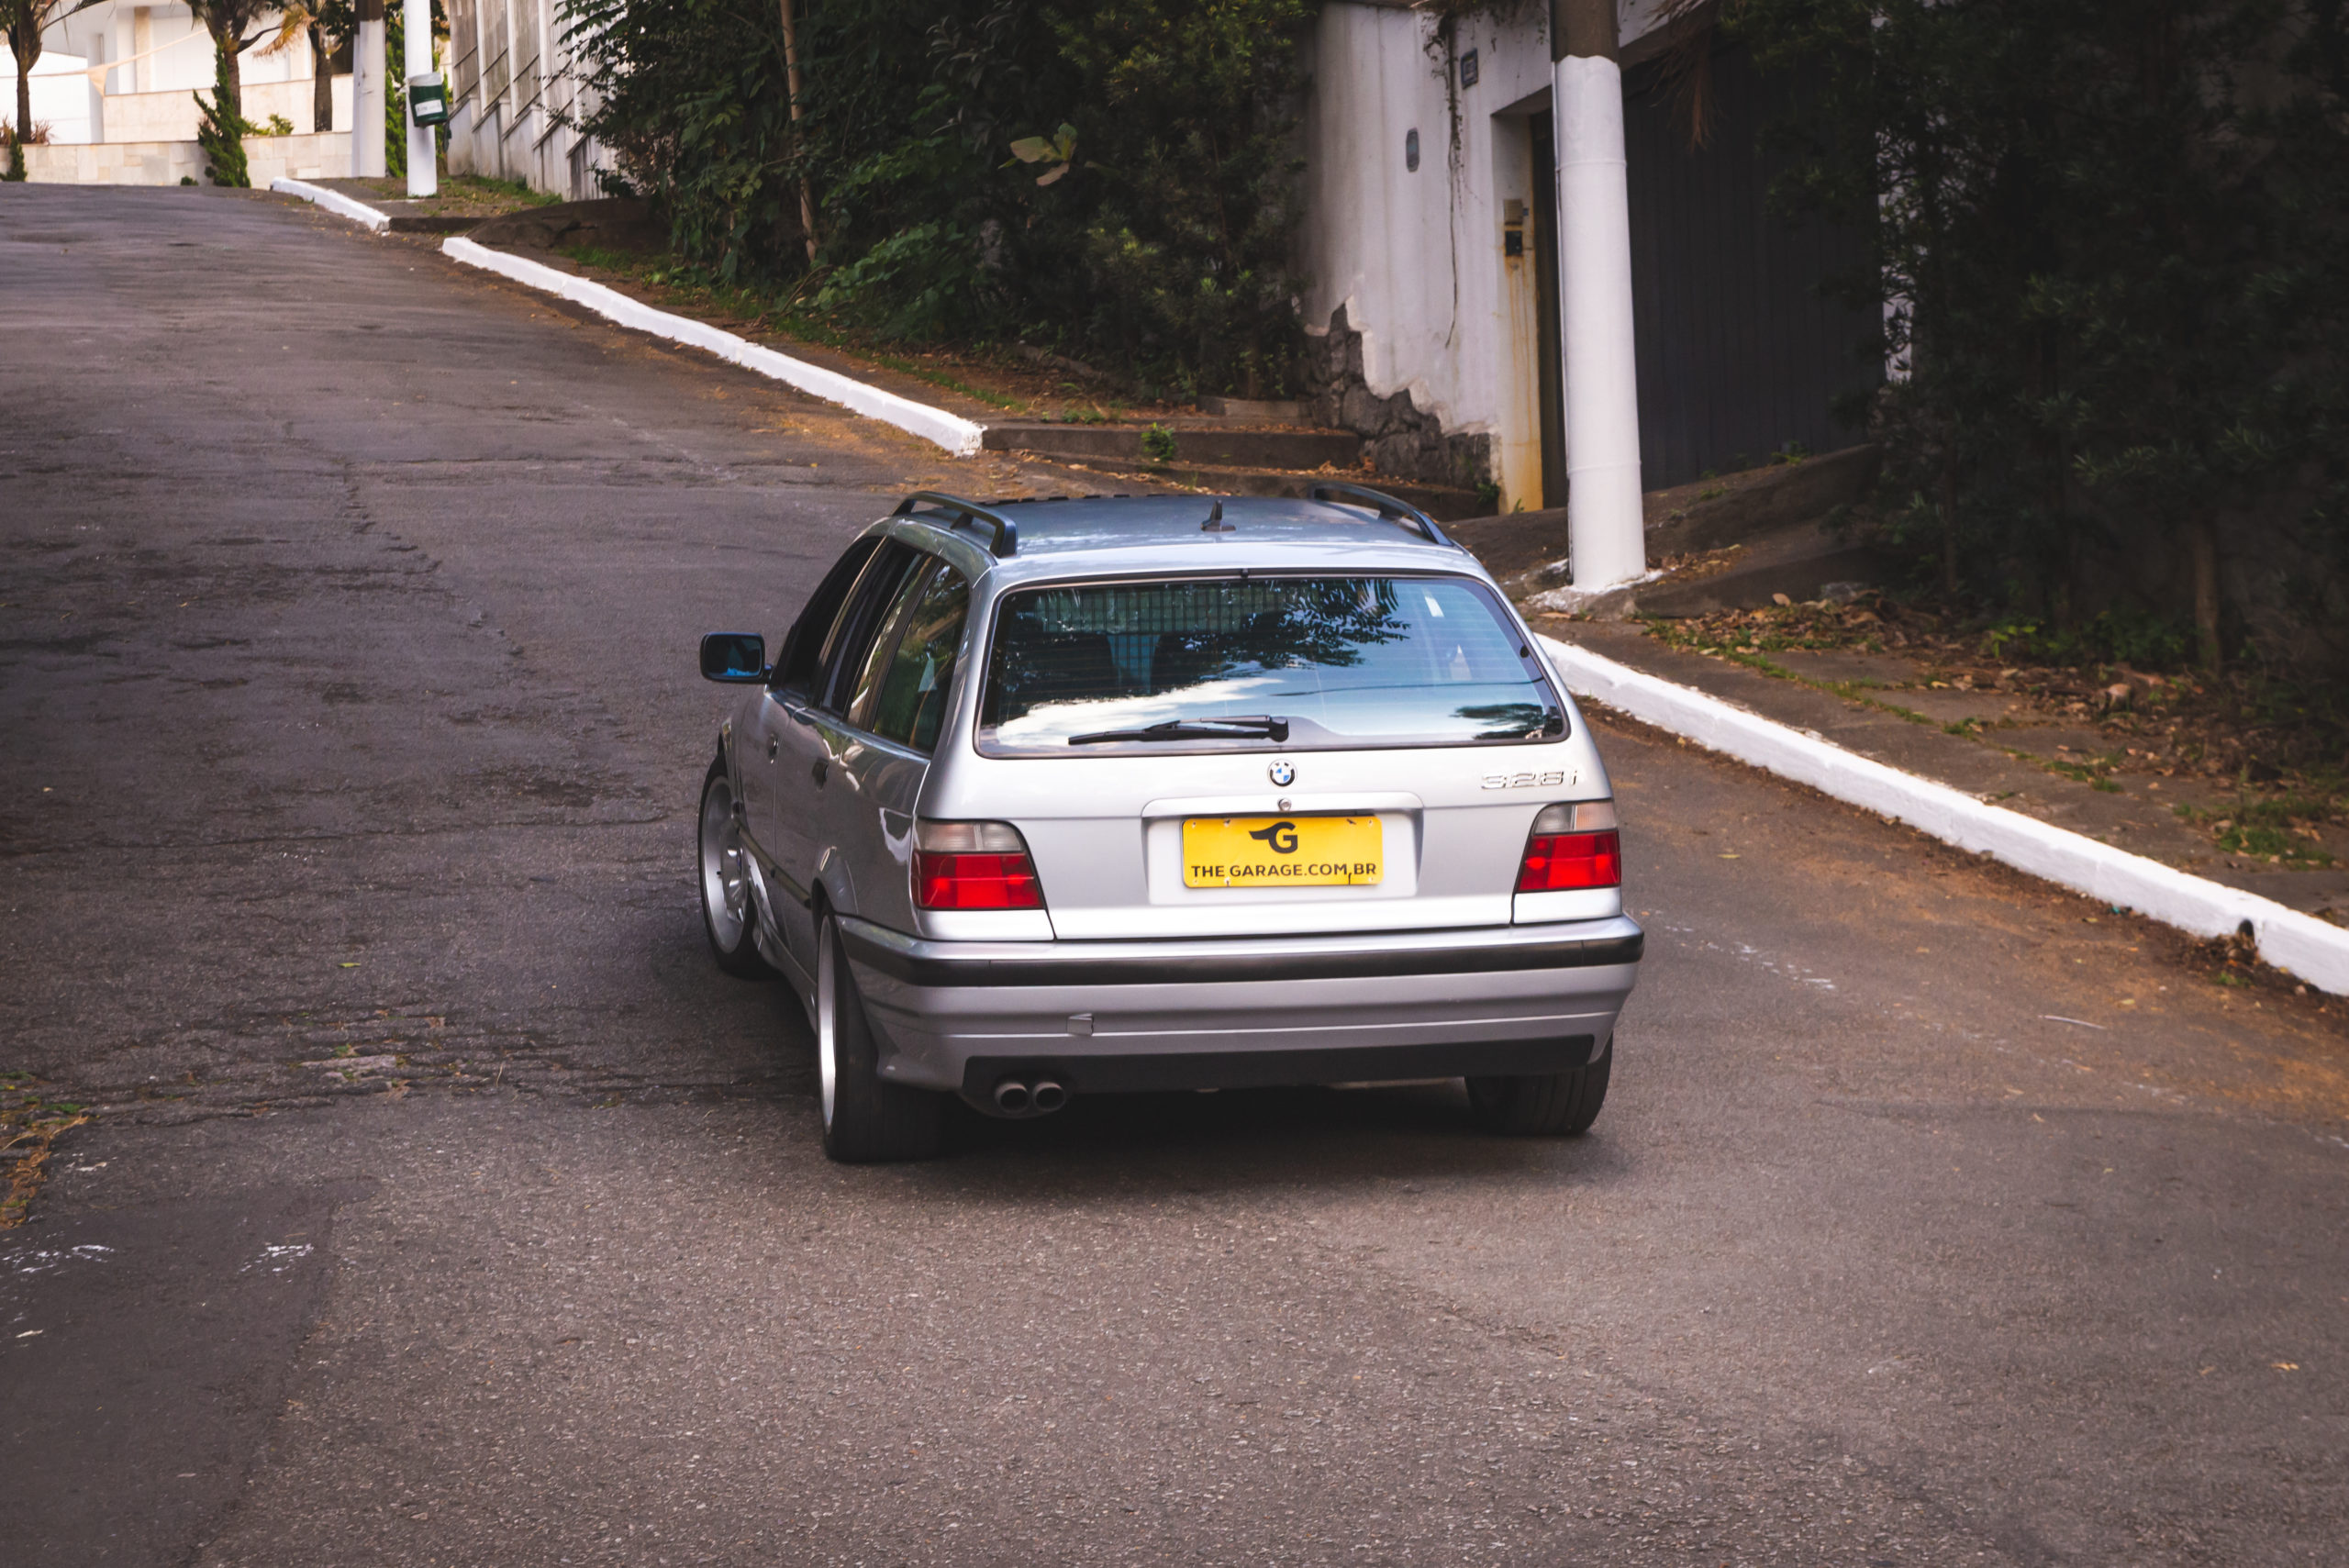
(1058, 797)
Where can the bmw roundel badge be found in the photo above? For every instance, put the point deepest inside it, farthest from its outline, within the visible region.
(1283, 773)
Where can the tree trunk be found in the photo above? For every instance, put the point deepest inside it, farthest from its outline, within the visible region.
(322, 87)
(28, 53)
(791, 81)
(228, 85)
(1948, 498)
(2202, 539)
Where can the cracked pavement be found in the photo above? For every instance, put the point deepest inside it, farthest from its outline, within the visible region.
(445, 1205)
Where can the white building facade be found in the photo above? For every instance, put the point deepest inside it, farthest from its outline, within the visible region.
(514, 98)
(1429, 243)
(118, 81)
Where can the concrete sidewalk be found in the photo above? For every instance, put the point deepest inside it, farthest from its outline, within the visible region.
(1899, 718)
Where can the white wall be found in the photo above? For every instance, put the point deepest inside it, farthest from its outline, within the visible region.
(116, 163)
(151, 59)
(172, 116)
(511, 85)
(168, 162)
(63, 99)
(1417, 259)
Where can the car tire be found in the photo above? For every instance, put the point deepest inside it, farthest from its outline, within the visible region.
(1549, 1105)
(730, 911)
(867, 1117)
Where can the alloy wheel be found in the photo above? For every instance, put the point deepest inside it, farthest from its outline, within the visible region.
(827, 1013)
(725, 877)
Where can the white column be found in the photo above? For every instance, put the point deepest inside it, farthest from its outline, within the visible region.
(416, 32)
(367, 92)
(1606, 537)
(142, 43)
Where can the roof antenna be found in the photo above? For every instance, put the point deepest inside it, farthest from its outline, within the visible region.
(1215, 523)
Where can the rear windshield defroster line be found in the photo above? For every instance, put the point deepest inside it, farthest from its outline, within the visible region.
(1198, 663)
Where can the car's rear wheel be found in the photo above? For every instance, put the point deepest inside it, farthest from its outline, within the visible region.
(728, 913)
(867, 1117)
(1549, 1105)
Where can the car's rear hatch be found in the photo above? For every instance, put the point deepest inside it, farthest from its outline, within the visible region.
(1270, 754)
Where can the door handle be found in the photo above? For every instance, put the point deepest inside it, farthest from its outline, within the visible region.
(819, 771)
(771, 745)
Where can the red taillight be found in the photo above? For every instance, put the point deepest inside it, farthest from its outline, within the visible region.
(973, 865)
(1554, 860)
(976, 881)
(1573, 845)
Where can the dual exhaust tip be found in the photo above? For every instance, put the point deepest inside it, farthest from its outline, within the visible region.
(1029, 1097)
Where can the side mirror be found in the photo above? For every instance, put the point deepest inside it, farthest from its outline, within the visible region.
(739, 656)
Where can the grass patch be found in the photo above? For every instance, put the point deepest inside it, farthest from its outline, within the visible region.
(2268, 738)
(951, 383)
(2280, 830)
(501, 190)
(1779, 630)
(29, 1126)
(596, 256)
(759, 309)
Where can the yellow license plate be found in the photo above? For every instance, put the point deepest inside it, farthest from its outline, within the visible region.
(1280, 852)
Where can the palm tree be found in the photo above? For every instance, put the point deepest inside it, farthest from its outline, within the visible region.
(25, 21)
(327, 24)
(235, 26)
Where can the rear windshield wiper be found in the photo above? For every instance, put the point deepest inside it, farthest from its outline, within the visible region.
(1239, 727)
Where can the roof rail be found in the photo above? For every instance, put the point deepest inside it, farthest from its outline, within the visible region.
(1007, 532)
(1385, 506)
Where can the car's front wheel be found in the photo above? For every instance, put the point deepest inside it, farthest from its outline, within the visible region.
(728, 913)
(867, 1117)
(1549, 1105)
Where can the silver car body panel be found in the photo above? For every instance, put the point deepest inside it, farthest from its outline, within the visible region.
(945, 1003)
(829, 812)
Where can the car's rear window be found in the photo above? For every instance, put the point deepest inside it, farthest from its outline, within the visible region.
(1336, 661)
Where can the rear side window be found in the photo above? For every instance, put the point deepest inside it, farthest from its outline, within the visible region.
(1331, 662)
(799, 666)
(911, 707)
(873, 667)
(849, 650)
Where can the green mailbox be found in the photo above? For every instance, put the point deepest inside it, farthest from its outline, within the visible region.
(428, 99)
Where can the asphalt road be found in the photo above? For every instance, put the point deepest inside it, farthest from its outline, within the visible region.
(448, 1207)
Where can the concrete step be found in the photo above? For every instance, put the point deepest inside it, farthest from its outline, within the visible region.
(1197, 441)
(425, 223)
(1775, 513)
(1706, 513)
(1288, 413)
(610, 223)
(1802, 562)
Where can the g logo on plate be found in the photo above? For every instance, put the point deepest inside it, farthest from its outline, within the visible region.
(1280, 837)
(1283, 773)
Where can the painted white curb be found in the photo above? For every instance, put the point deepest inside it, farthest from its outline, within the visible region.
(2302, 944)
(956, 434)
(334, 202)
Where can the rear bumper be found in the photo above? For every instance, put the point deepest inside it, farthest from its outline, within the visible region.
(1107, 1016)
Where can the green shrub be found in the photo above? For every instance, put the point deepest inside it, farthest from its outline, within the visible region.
(221, 128)
(2123, 636)
(2117, 241)
(1113, 181)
